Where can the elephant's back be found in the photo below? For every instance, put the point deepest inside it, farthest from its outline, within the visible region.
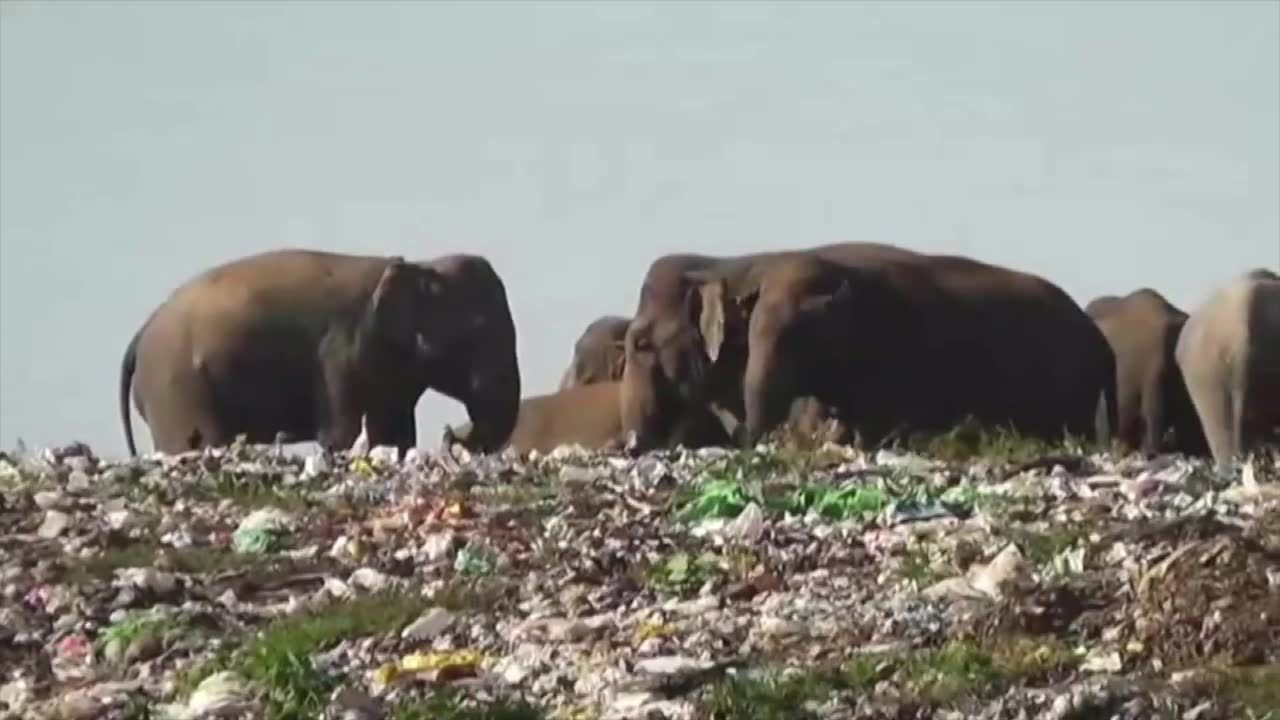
(286, 276)
(586, 414)
(1037, 343)
(280, 287)
(664, 279)
(1218, 329)
(1142, 322)
(865, 252)
(272, 302)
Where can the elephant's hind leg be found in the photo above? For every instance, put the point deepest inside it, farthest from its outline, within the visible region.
(1213, 403)
(182, 416)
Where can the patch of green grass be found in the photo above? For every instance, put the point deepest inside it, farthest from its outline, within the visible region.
(278, 657)
(739, 560)
(525, 504)
(474, 559)
(917, 566)
(716, 497)
(681, 574)
(1024, 658)
(251, 491)
(861, 501)
(480, 594)
(139, 626)
(970, 440)
(962, 670)
(1253, 692)
(138, 707)
(449, 705)
(940, 677)
(950, 672)
(192, 560)
(1042, 546)
(770, 695)
(724, 494)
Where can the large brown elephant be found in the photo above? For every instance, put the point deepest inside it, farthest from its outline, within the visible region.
(1229, 353)
(894, 342)
(598, 354)
(667, 369)
(303, 344)
(1151, 397)
(588, 415)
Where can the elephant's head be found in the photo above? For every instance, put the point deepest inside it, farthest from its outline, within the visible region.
(1102, 305)
(680, 356)
(599, 354)
(449, 321)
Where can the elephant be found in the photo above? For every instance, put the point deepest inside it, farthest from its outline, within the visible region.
(298, 345)
(666, 370)
(598, 353)
(588, 415)
(1229, 354)
(890, 339)
(1151, 396)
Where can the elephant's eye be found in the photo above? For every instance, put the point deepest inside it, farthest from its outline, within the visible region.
(642, 344)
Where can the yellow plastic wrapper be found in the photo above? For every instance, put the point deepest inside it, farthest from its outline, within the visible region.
(430, 666)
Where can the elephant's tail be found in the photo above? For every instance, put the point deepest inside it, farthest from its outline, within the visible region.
(127, 367)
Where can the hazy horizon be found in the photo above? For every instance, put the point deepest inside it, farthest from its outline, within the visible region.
(1104, 146)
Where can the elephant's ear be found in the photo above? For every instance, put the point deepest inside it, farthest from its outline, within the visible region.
(711, 318)
(386, 303)
(398, 300)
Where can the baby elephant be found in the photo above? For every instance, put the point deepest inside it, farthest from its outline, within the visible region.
(1142, 328)
(598, 353)
(587, 415)
(1229, 353)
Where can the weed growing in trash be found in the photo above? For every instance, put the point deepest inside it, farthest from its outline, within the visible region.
(136, 628)
(448, 704)
(727, 486)
(681, 573)
(954, 672)
(278, 656)
(971, 440)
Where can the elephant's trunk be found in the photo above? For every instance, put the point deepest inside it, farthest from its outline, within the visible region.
(493, 404)
(640, 409)
(769, 383)
(767, 399)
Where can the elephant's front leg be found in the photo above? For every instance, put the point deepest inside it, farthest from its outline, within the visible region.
(1153, 414)
(338, 411)
(396, 427)
(1214, 406)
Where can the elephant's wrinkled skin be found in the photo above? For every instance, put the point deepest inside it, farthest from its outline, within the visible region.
(598, 353)
(588, 415)
(302, 344)
(1229, 353)
(1142, 328)
(912, 344)
(666, 368)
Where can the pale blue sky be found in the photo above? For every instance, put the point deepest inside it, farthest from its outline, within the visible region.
(1103, 145)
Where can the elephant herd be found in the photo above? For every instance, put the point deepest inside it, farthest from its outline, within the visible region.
(866, 341)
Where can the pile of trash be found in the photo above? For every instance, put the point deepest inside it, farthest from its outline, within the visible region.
(774, 583)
